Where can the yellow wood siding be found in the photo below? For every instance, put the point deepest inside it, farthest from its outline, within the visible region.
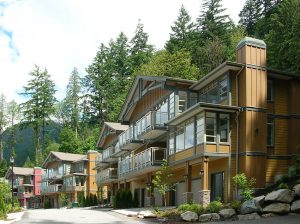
(275, 167)
(281, 137)
(184, 154)
(281, 97)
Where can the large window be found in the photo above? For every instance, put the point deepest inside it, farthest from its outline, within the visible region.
(224, 127)
(189, 136)
(171, 144)
(270, 132)
(200, 129)
(193, 99)
(211, 127)
(216, 91)
(182, 101)
(270, 91)
(180, 140)
(172, 105)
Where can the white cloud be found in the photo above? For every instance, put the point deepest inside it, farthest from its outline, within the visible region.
(61, 34)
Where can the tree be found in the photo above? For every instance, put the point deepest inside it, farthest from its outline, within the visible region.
(283, 37)
(72, 100)
(28, 163)
(13, 114)
(249, 16)
(183, 33)
(3, 121)
(213, 23)
(177, 65)
(68, 141)
(3, 167)
(40, 105)
(140, 51)
(52, 147)
(163, 180)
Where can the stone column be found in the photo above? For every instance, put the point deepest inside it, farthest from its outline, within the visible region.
(149, 199)
(204, 194)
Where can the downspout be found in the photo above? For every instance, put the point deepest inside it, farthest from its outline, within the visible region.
(237, 128)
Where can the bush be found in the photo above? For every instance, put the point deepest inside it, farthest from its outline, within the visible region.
(3, 215)
(123, 199)
(214, 207)
(198, 208)
(236, 205)
(283, 186)
(244, 185)
(136, 199)
(169, 213)
(3, 208)
(47, 203)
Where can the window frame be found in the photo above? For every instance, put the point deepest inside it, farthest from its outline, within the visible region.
(270, 84)
(272, 125)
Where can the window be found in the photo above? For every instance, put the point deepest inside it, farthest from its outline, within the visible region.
(270, 131)
(189, 136)
(224, 127)
(223, 89)
(182, 99)
(200, 129)
(211, 127)
(193, 99)
(172, 105)
(270, 91)
(161, 115)
(180, 140)
(171, 144)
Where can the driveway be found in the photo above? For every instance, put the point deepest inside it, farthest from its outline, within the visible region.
(74, 216)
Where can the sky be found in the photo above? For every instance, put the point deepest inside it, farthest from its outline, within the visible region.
(63, 34)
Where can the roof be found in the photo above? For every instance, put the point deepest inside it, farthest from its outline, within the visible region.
(116, 127)
(135, 83)
(251, 41)
(21, 171)
(69, 157)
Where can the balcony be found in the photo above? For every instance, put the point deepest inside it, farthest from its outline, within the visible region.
(107, 157)
(107, 175)
(152, 125)
(55, 188)
(128, 140)
(71, 188)
(146, 161)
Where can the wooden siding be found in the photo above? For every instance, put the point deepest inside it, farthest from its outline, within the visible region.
(184, 154)
(233, 88)
(146, 103)
(200, 149)
(109, 140)
(251, 55)
(281, 97)
(281, 137)
(275, 167)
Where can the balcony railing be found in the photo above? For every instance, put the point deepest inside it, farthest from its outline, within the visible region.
(53, 174)
(128, 140)
(107, 175)
(150, 159)
(71, 188)
(51, 188)
(151, 125)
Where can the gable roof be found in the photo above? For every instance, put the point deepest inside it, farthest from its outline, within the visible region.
(114, 127)
(21, 171)
(62, 156)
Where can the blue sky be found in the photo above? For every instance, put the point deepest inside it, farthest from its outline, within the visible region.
(61, 34)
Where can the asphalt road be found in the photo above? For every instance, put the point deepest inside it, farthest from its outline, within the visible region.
(74, 216)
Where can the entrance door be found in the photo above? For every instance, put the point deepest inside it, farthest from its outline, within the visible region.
(217, 186)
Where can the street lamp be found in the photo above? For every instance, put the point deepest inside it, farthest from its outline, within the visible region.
(12, 161)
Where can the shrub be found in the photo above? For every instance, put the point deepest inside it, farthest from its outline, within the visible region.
(199, 209)
(123, 199)
(3, 208)
(244, 185)
(136, 199)
(214, 207)
(47, 203)
(3, 215)
(168, 213)
(236, 205)
(283, 186)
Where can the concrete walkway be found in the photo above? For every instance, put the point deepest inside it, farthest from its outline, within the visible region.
(131, 212)
(12, 217)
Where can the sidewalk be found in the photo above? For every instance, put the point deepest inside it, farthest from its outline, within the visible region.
(12, 217)
(131, 212)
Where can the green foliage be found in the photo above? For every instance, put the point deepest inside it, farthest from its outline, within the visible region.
(63, 199)
(47, 203)
(28, 163)
(162, 180)
(3, 207)
(214, 206)
(284, 47)
(169, 213)
(68, 141)
(199, 209)
(249, 16)
(5, 190)
(136, 199)
(178, 65)
(245, 185)
(236, 204)
(296, 165)
(123, 199)
(3, 167)
(283, 186)
(80, 198)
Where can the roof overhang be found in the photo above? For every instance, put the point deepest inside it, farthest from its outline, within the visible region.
(216, 73)
(277, 74)
(200, 107)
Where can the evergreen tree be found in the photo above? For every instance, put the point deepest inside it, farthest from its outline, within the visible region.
(68, 141)
(40, 105)
(13, 112)
(213, 23)
(3, 121)
(183, 33)
(72, 100)
(3, 167)
(249, 16)
(140, 51)
(28, 163)
(283, 38)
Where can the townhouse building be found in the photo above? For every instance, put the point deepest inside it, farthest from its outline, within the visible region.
(26, 185)
(242, 117)
(69, 174)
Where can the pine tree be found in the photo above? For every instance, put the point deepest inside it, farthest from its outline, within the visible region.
(72, 100)
(28, 163)
(283, 38)
(213, 23)
(183, 33)
(40, 105)
(3, 121)
(249, 16)
(13, 113)
(140, 51)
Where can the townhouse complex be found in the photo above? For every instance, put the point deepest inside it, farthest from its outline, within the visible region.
(26, 185)
(69, 174)
(240, 118)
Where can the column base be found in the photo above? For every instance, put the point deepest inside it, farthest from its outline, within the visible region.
(204, 197)
(149, 201)
(187, 197)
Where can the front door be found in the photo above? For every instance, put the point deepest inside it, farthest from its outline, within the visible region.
(217, 186)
